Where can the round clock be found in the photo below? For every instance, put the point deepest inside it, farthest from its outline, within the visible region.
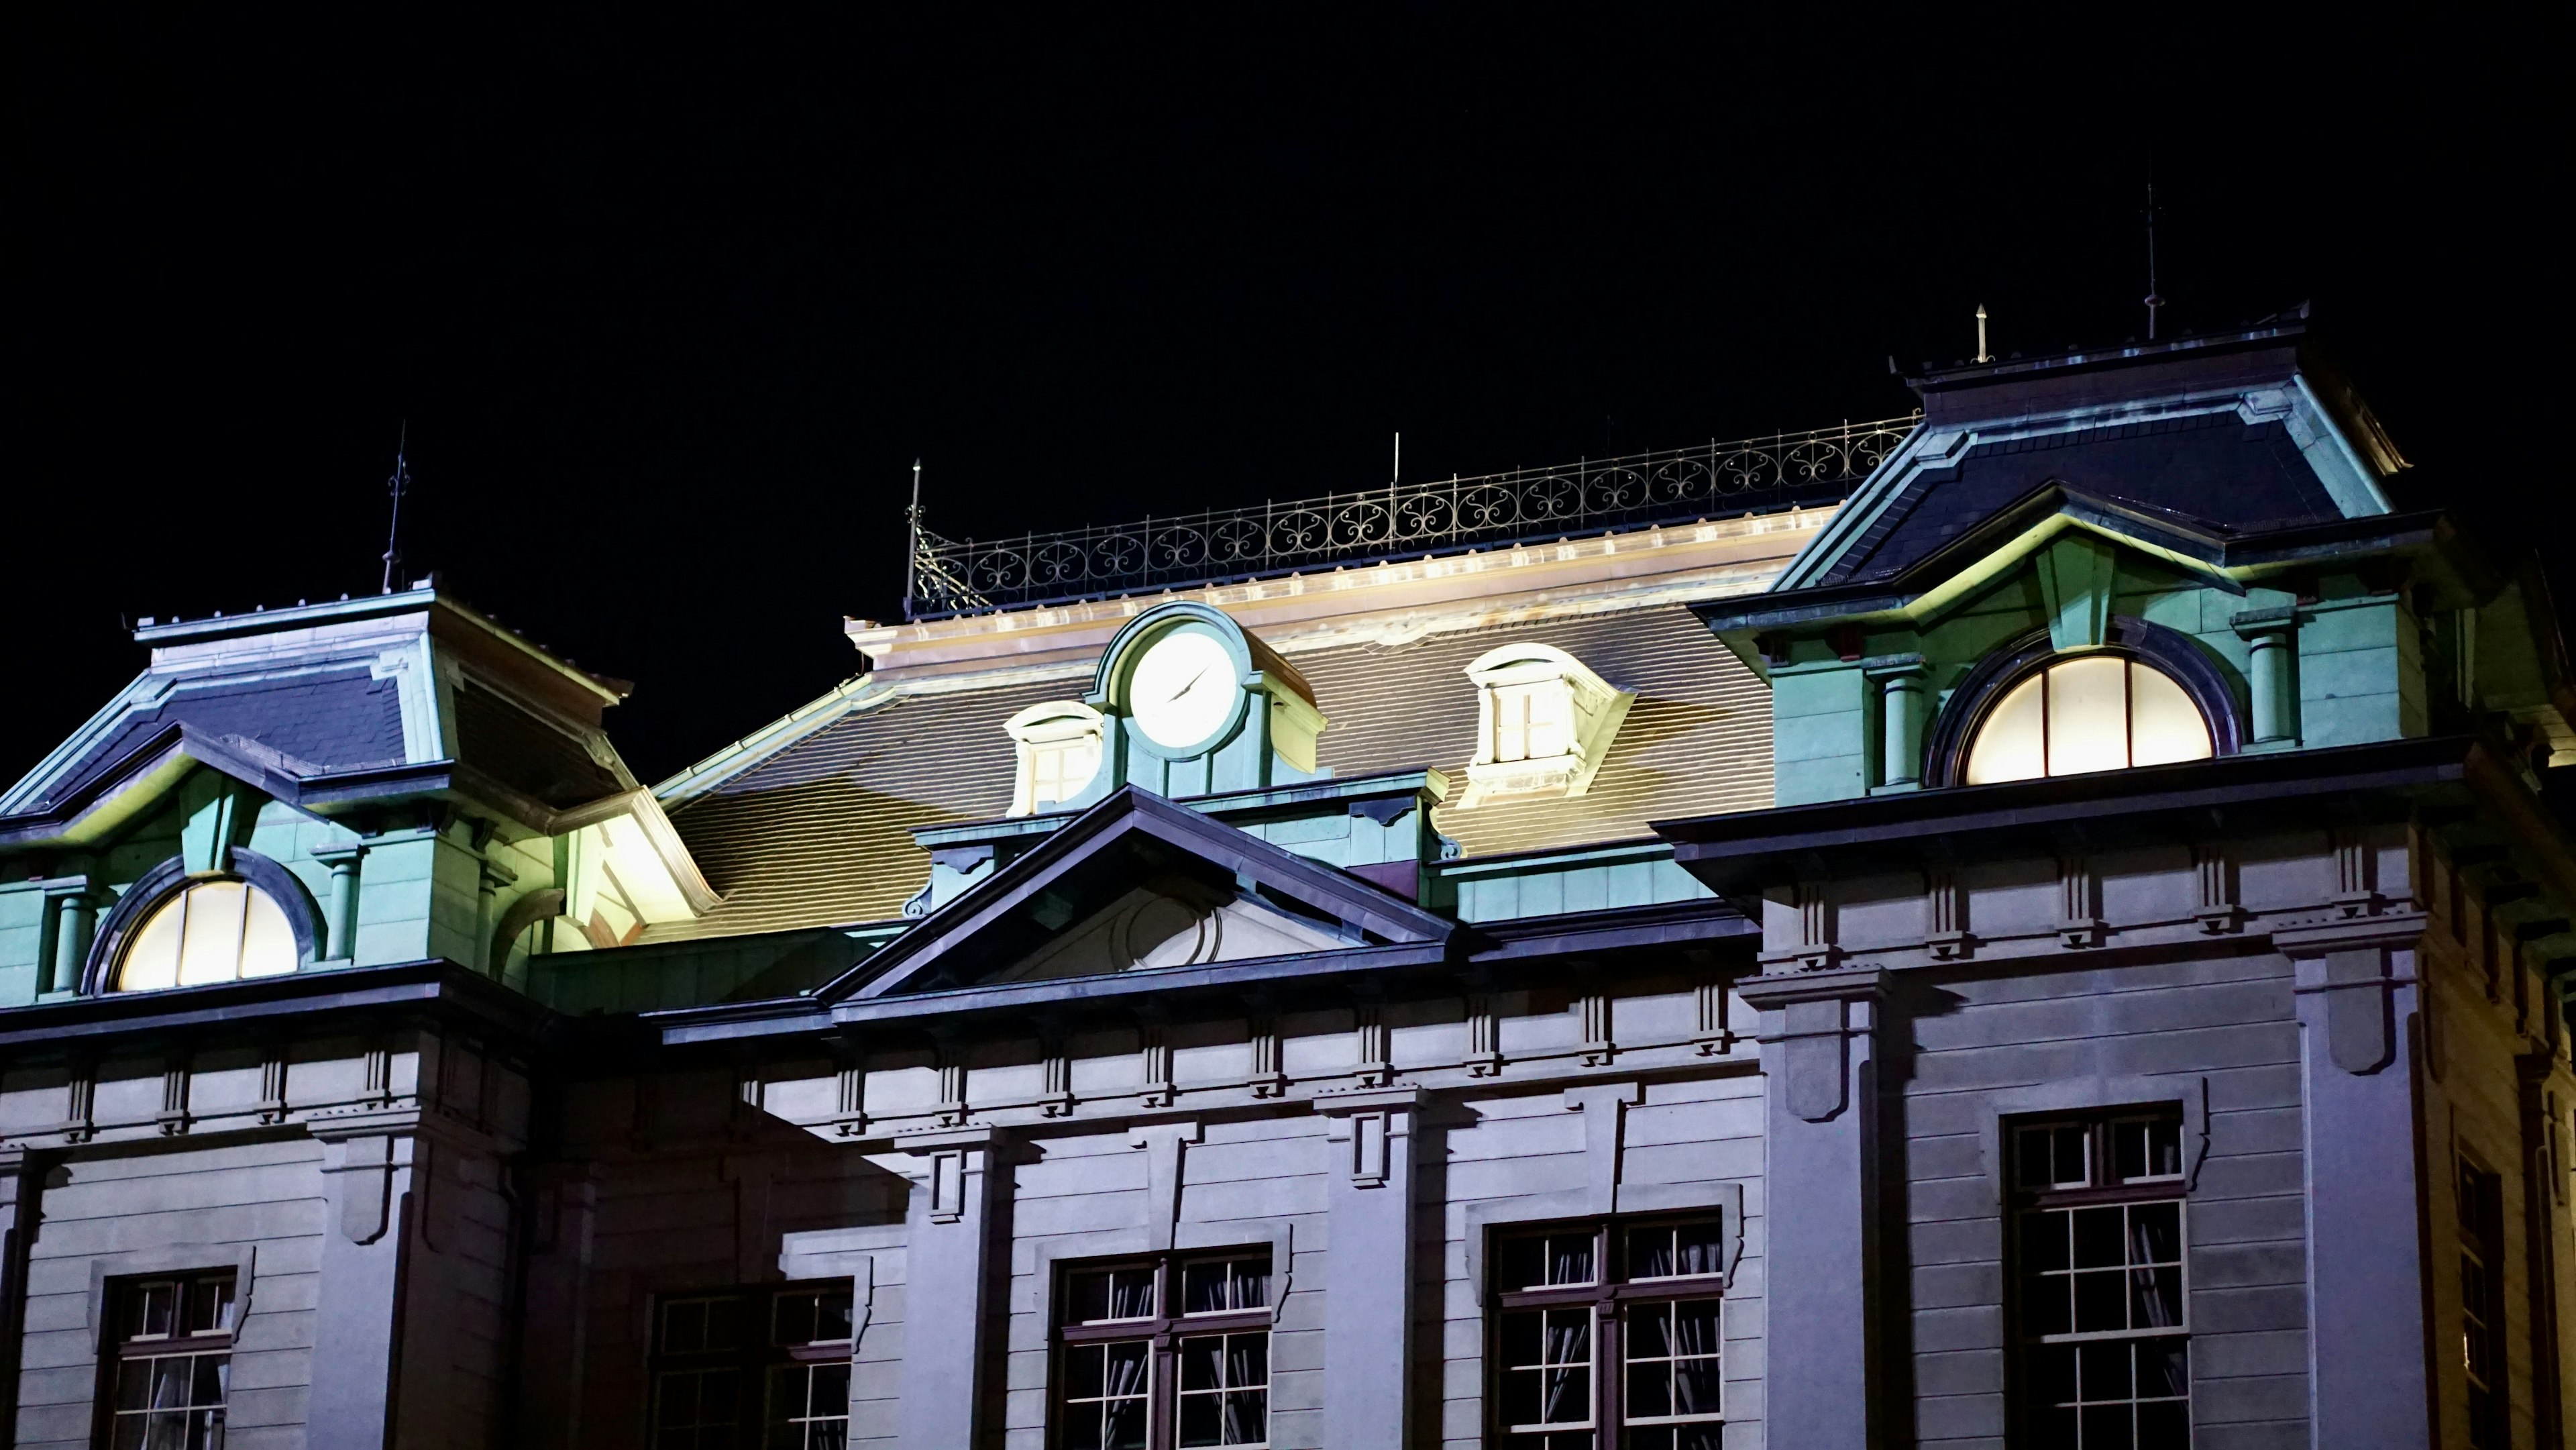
(1184, 689)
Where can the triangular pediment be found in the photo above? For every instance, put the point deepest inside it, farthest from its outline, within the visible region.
(1138, 883)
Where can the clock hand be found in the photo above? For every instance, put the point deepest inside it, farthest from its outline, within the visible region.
(1192, 685)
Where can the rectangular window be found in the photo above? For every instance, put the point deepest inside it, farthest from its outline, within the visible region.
(1606, 1334)
(2103, 1335)
(1164, 1353)
(753, 1369)
(168, 1368)
(2481, 1203)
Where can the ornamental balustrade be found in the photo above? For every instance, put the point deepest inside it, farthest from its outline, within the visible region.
(950, 577)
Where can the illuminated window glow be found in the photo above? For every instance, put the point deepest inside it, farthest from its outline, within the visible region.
(215, 931)
(2093, 712)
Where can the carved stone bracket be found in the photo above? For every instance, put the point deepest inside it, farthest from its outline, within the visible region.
(1164, 1145)
(361, 1150)
(1819, 1014)
(1363, 1126)
(2351, 965)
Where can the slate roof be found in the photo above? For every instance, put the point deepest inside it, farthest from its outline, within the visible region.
(323, 723)
(819, 833)
(2212, 470)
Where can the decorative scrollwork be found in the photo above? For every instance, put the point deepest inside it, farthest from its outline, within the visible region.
(973, 576)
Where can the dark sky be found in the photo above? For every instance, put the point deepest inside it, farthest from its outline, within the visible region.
(672, 307)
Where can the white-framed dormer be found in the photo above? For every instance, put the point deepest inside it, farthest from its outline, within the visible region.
(1544, 723)
(1058, 745)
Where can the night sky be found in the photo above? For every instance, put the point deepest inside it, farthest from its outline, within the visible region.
(672, 308)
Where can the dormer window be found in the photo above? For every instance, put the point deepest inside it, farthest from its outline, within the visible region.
(1059, 752)
(2087, 713)
(212, 931)
(1544, 723)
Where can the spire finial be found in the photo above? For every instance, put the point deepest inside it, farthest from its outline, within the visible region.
(1983, 356)
(2154, 298)
(397, 484)
(912, 545)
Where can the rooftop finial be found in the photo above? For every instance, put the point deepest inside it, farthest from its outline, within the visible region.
(399, 482)
(2154, 298)
(912, 546)
(1983, 357)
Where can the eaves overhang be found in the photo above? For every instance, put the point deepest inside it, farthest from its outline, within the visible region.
(431, 987)
(1742, 855)
(1946, 577)
(1488, 948)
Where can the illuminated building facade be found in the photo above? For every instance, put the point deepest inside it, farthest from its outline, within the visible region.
(2038, 923)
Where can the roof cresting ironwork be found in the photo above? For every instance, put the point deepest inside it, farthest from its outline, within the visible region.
(948, 577)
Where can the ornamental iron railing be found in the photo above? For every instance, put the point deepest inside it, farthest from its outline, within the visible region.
(949, 577)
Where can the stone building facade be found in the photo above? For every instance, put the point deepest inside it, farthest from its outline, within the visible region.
(2054, 943)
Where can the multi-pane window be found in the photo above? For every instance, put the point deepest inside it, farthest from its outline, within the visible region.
(1606, 1335)
(746, 1368)
(2092, 712)
(2103, 1333)
(1164, 1353)
(2481, 1205)
(169, 1368)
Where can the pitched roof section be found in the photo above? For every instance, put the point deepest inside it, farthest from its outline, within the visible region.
(818, 832)
(1100, 856)
(2244, 433)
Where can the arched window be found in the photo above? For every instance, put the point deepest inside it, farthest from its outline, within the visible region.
(212, 931)
(2087, 713)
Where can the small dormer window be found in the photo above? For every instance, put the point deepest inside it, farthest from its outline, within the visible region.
(213, 931)
(1544, 723)
(2087, 713)
(1059, 753)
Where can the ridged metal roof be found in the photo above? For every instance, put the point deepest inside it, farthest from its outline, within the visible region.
(818, 834)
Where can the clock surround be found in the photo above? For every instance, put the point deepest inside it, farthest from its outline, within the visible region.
(1259, 731)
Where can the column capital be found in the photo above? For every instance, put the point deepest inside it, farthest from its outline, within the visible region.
(1772, 991)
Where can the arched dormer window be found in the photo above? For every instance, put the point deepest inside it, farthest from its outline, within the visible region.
(214, 931)
(2150, 696)
(171, 929)
(2091, 712)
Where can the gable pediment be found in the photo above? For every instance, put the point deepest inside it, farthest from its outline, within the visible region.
(1140, 883)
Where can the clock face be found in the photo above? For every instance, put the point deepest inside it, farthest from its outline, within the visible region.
(1183, 690)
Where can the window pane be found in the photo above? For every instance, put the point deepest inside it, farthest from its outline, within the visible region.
(684, 1326)
(2100, 1238)
(1650, 1390)
(2164, 725)
(1569, 1259)
(1247, 1417)
(1523, 1263)
(2010, 745)
(832, 1316)
(268, 943)
(1650, 1253)
(210, 949)
(1699, 1249)
(724, 1324)
(1203, 1363)
(2088, 715)
(152, 962)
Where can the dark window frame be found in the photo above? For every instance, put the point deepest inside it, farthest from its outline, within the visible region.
(1161, 1331)
(121, 1345)
(751, 1361)
(2478, 1198)
(1609, 1298)
(2105, 1184)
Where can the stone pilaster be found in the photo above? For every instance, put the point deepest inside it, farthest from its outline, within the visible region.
(1818, 1036)
(1368, 1277)
(2357, 987)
